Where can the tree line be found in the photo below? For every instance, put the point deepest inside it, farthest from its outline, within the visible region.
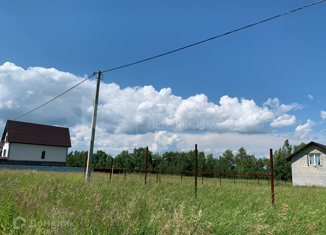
(185, 161)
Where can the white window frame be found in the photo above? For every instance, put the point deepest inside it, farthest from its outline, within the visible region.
(314, 159)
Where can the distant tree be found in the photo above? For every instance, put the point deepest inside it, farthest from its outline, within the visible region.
(282, 168)
(227, 162)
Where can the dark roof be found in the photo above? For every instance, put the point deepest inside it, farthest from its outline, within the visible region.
(31, 133)
(320, 145)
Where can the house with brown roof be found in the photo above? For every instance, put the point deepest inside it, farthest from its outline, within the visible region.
(34, 144)
(309, 165)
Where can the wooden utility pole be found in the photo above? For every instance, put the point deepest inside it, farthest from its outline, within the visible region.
(91, 142)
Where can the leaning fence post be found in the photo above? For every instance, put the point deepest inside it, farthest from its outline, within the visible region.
(156, 176)
(272, 175)
(220, 179)
(111, 169)
(195, 170)
(146, 165)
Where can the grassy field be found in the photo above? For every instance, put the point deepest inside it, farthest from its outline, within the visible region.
(62, 203)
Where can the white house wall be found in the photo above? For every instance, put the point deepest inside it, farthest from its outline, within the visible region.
(5, 147)
(28, 152)
(305, 175)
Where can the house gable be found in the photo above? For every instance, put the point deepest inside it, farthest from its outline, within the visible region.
(304, 174)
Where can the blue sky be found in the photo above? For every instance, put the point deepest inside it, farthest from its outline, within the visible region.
(282, 61)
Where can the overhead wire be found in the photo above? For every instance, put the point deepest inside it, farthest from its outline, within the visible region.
(170, 52)
(52, 99)
(209, 39)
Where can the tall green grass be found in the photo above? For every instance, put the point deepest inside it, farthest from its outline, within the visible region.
(167, 207)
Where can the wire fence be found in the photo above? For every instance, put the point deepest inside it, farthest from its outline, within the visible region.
(195, 172)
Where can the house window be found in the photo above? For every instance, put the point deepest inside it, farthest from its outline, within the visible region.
(4, 153)
(43, 155)
(314, 159)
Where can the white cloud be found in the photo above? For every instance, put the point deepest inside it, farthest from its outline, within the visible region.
(303, 131)
(323, 115)
(130, 111)
(283, 108)
(164, 141)
(311, 97)
(285, 120)
(161, 141)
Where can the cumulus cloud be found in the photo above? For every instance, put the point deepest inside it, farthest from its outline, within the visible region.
(283, 108)
(311, 97)
(130, 111)
(303, 131)
(164, 141)
(285, 120)
(323, 115)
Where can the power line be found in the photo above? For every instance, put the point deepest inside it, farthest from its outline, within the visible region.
(52, 99)
(170, 52)
(206, 40)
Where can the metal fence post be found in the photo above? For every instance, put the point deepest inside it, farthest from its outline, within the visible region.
(195, 170)
(146, 165)
(220, 179)
(111, 169)
(272, 175)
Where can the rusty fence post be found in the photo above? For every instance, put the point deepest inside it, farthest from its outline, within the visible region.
(125, 173)
(247, 179)
(146, 165)
(156, 176)
(181, 176)
(220, 179)
(272, 175)
(258, 179)
(202, 179)
(268, 180)
(111, 170)
(234, 179)
(84, 165)
(195, 170)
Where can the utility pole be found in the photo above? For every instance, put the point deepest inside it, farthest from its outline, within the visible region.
(91, 141)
